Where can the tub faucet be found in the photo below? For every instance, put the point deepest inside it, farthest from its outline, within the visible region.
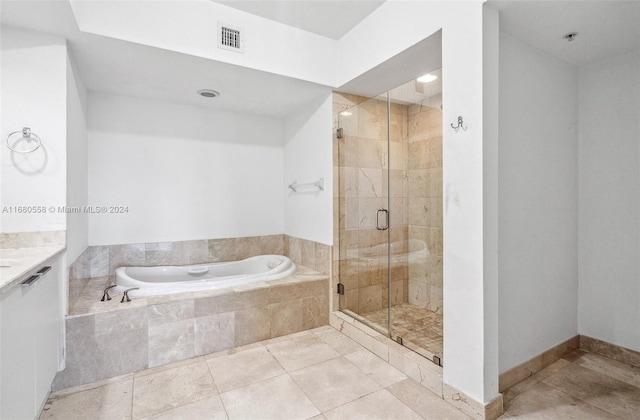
(126, 294)
(105, 294)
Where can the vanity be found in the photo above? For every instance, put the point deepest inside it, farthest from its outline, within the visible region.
(31, 327)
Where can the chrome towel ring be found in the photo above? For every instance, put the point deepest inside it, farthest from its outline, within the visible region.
(29, 136)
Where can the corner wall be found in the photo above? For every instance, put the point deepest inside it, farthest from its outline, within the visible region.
(308, 214)
(609, 213)
(538, 202)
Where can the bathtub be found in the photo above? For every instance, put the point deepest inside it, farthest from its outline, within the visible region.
(191, 278)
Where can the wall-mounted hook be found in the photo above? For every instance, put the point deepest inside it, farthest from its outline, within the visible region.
(459, 126)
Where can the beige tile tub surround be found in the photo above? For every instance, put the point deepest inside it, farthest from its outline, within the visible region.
(90, 270)
(111, 338)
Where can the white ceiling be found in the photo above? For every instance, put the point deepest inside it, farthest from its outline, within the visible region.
(329, 18)
(605, 28)
(115, 66)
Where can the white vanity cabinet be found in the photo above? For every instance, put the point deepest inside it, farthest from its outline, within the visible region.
(31, 339)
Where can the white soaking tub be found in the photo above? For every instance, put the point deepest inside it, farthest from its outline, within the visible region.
(162, 280)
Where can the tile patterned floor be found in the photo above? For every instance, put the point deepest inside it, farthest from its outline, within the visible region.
(581, 385)
(318, 374)
(419, 325)
(322, 374)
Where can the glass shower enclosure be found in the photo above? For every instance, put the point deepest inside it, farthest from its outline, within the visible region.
(390, 214)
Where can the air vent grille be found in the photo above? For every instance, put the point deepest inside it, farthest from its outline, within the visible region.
(230, 37)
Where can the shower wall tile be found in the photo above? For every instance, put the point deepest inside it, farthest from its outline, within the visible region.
(369, 182)
(372, 119)
(370, 298)
(371, 154)
(419, 155)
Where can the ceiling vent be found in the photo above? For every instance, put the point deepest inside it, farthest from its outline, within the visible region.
(230, 37)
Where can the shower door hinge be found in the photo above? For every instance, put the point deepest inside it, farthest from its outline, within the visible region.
(399, 340)
(437, 360)
(339, 133)
(340, 289)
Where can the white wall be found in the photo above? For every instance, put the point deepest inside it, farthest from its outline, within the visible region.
(470, 344)
(77, 170)
(33, 95)
(184, 172)
(308, 214)
(538, 199)
(609, 217)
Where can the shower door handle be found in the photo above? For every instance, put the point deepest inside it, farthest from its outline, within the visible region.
(386, 217)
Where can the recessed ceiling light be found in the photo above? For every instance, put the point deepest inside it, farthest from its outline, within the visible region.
(208, 93)
(570, 36)
(346, 113)
(427, 78)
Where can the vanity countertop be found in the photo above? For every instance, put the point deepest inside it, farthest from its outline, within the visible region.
(17, 263)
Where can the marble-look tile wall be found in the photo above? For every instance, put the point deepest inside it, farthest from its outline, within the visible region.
(106, 344)
(365, 179)
(98, 262)
(425, 205)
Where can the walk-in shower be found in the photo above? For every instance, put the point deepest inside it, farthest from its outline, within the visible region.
(390, 212)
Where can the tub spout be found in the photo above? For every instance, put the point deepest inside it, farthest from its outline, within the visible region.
(126, 294)
(105, 294)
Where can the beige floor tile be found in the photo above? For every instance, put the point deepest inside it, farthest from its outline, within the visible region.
(611, 368)
(598, 389)
(274, 398)
(378, 405)
(375, 368)
(333, 383)
(338, 341)
(426, 404)
(210, 408)
(301, 350)
(545, 402)
(243, 368)
(171, 388)
(108, 402)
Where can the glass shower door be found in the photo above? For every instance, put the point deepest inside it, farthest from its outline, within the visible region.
(364, 223)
